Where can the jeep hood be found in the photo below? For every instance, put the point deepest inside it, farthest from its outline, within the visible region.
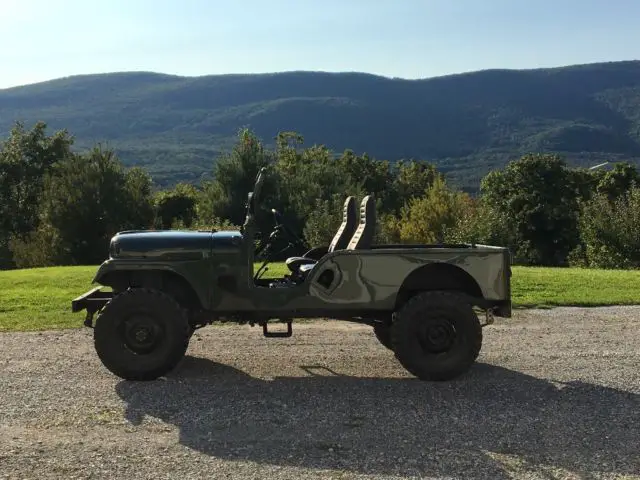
(171, 244)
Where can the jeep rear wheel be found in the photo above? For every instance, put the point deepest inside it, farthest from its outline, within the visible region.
(436, 336)
(141, 334)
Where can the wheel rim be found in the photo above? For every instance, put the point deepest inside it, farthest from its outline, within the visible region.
(141, 334)
(438, 336)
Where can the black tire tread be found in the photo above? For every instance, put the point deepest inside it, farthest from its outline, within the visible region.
(426, 304)
(164, 305)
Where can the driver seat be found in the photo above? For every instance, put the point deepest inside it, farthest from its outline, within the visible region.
(340, 239)
(364, 234)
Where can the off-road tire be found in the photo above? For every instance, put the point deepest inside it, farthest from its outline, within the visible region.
(153, 309)
(382, 332)
(442, 313)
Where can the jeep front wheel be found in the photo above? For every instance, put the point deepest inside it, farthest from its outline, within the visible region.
(141, 334)
(436, 336)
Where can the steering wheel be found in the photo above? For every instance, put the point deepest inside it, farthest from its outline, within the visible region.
(266, 244)
(290, 233)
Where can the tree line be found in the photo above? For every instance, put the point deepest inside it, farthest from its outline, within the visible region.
(60, 207)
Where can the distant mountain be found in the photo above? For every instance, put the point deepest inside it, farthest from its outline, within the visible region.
(467, 123)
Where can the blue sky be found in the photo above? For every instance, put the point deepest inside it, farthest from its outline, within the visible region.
(41, 39)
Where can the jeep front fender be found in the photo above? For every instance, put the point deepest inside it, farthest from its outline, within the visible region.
(195, 274)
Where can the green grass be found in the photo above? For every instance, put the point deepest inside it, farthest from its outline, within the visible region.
(39, 299)
(552, 287)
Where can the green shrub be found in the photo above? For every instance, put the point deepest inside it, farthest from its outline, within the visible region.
(610, 230)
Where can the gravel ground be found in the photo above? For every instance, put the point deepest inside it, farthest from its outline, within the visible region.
(555, 394)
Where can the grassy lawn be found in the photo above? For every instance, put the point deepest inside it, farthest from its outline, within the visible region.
(40, 299)
(548, 287)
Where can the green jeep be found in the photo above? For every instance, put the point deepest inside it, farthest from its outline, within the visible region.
(421, 300)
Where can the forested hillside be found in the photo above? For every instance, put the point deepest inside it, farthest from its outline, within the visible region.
(466, 124)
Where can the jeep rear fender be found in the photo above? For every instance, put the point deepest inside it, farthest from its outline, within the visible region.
(438, 276)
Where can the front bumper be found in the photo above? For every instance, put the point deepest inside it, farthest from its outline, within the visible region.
(92, 301)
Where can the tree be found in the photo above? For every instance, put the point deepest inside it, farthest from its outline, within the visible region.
(610, 230)
(618, 181)
(86, 200)
(25, 158)
(366, 174)
(434, 216)
(411, 180)
(176, 205)
(138, 186)
(534, 205)
(234, 177)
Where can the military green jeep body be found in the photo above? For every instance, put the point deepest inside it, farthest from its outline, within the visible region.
(419, 299)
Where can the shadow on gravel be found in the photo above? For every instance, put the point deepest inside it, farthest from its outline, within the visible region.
(488, 423)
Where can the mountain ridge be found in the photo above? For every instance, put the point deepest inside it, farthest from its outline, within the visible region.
(327, 72)
(467, 123)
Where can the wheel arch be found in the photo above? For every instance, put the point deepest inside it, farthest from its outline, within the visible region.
(438, 276)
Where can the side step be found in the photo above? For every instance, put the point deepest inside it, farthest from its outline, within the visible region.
(287, 334)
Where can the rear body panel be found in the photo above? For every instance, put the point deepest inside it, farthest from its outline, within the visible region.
(374, 277)
(370, 280)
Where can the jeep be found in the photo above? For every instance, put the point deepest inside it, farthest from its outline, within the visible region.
(423, 302)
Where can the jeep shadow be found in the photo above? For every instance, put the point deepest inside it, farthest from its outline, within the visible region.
(480, 425)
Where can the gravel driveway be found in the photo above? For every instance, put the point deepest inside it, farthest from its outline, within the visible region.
(555, 394)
